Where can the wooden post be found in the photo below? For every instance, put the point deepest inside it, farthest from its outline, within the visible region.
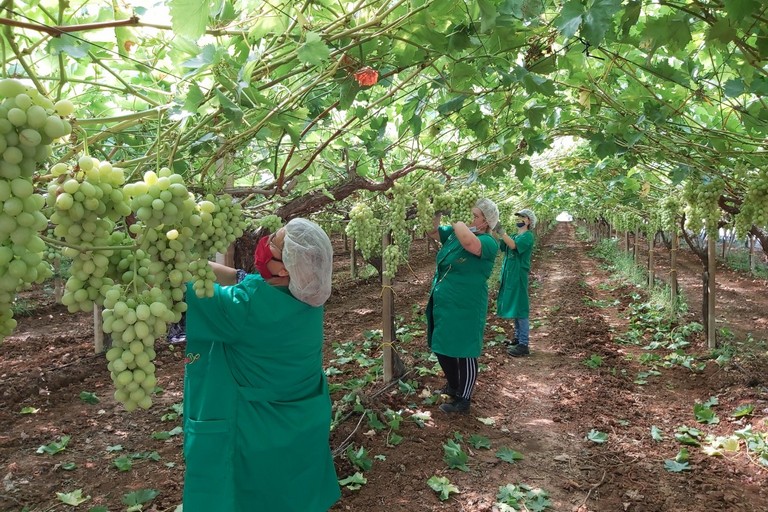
(387, 313)
(673, 270)
(626, 241)
(752, 262)
(712, 263)
(58, 282)
(346, 241)
(98, 330)
(635, 254)
(354, 259)
(651, 268)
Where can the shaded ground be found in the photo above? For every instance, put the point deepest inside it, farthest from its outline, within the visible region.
(542, 407)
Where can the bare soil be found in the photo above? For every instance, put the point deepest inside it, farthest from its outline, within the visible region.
(542, 406)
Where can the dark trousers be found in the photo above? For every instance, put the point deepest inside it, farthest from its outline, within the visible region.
(461, 373)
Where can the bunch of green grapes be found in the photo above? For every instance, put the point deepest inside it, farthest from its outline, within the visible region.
(443, 202)
(270, 222)
(87, 202)
(430, 189)
(365, 229)
(465, 199)
(134, 321)
(222, 224)
(669, 211)
(29, 122)
(702, 208)
(391, 260)
(203, 278)
(754, 208)
(52, 253)
(398, 206)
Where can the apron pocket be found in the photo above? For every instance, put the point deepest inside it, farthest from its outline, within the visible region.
(208, 455)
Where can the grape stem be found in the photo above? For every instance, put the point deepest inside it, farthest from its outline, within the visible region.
(81, 248)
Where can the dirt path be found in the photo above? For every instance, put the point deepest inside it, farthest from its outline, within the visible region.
(542, 407)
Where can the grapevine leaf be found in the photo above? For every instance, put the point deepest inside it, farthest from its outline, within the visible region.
(743, 410)
(722, 31)
(65, 43)
(123, 463)
(704, 414)
(353, 482)
(630, 16)
(488, 15)
(29, 410)
(598, 18)
(139, 497)
(478, 441)
(73, 498)
(452, 105)
(487, 421)
(597, 437)
(656, 433)
(314, 51)
(454, 456)
(189, 17)
(676, 467)
(359, 458)
(740, 9)
(442, 486)
(734, 87)
(569, 19)
(88, 397)
(55, 447)
(508, 454)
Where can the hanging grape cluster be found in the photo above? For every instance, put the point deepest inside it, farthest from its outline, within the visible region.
(426, 197)
(134, 247)
(270, 222)
(29, 122)
(669, 212)
(134, 322)
(754, 208)
(365, 229)
(465, 200)
(702, 208)
(87, 202)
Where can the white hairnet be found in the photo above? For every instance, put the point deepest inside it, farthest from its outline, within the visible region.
(490, 211)
(308, 257)
(528, 213)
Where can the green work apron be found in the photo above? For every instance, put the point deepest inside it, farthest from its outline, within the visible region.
(257, 411)
(458, 301)
(513, 291)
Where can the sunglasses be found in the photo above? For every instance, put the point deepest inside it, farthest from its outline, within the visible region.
(272, 244)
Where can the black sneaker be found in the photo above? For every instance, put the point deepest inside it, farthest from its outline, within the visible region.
(518, 350)
(446, 390)
(459, 406)
(511, 343)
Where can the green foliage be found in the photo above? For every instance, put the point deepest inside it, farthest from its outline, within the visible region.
(522, 497)
(442, 486)
(55, 447)
(454, 456)
(509, 455)
(353, 482)
(593, 361)
(359, 458)
(597, 437)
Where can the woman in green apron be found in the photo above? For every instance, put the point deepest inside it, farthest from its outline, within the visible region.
(257, 411)
(513, 291)
(458, 301)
